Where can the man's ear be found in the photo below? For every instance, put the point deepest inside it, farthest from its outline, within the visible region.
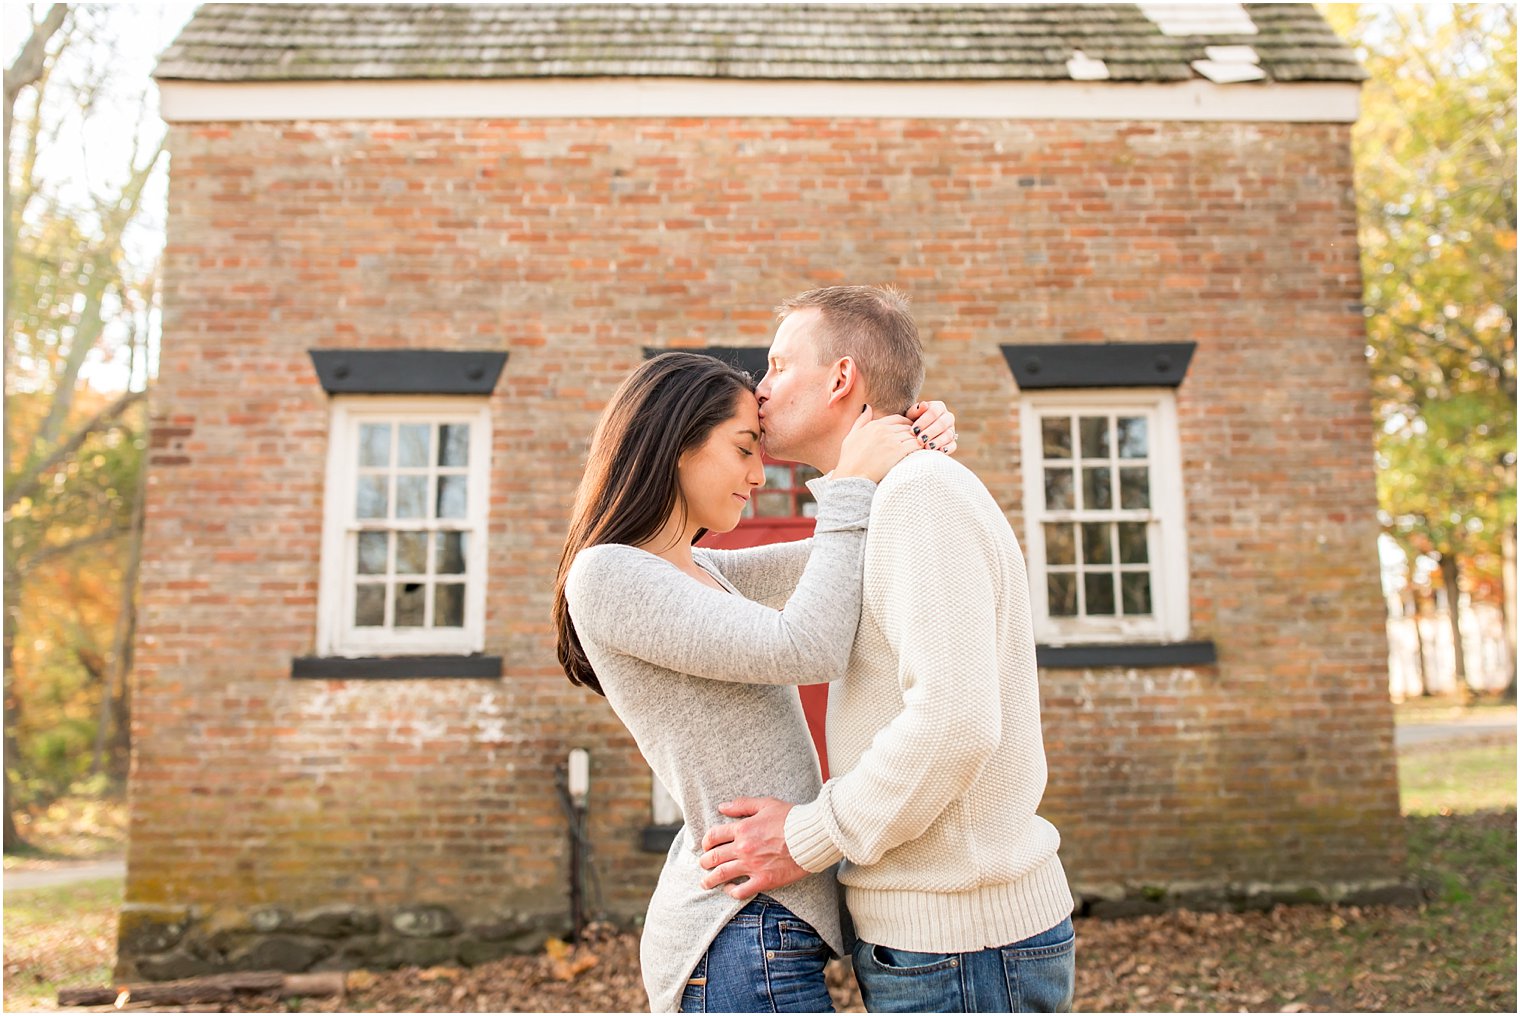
(844, 381)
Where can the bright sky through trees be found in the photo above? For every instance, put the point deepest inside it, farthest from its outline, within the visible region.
(91, 153)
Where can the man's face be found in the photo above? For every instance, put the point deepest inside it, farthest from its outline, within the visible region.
(794, 393)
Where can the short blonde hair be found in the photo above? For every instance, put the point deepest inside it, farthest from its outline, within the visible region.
(872, 326)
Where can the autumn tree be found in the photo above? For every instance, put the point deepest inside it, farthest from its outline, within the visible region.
(1435, 165)
(72, 451)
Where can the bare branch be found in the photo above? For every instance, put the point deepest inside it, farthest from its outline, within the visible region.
(49, 553)
(28, 65)
(28, 483)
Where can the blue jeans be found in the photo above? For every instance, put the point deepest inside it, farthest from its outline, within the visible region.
(766, 959)
(1035, 975)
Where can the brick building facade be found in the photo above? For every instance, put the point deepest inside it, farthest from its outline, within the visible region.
(304, 796)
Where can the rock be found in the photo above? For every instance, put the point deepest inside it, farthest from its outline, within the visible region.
(146, 929)
(473, 952)
(425, 922)
(280, 952)
(417, 952)
(1126, 908)
(336, 921)
(173, 966)
(267, 919)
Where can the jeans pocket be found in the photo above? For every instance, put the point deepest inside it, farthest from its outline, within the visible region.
(907, 961)
(1041, 970)
(900, 980)
(798, 938)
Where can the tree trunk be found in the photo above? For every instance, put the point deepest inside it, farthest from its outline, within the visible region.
(119, 667)
(1419, 640)
(1507, 604)
(13, 840)
(1450, 579)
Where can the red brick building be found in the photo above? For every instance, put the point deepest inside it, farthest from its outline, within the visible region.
(412, 249)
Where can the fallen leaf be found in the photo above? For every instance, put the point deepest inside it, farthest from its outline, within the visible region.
(570, 969)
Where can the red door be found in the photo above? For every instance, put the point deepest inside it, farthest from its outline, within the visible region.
(783, 510)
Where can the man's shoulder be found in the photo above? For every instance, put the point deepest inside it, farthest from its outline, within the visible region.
(929, 472)
(931, 488)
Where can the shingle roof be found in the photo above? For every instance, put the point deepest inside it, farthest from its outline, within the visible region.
(851, 42)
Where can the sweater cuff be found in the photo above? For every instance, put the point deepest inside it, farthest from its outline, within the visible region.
(808, 840)
(843, 504)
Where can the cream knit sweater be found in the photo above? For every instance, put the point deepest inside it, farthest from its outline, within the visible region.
(934, 734)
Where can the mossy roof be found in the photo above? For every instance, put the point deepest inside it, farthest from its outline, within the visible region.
(834, 42)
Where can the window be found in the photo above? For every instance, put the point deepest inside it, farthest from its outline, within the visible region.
(403, 550)
(1103, 495)
(785, 494)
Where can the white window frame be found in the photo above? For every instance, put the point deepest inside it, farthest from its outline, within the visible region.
(1166, 530)
(336, 633)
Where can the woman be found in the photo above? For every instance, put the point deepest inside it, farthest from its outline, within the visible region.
(699, 674)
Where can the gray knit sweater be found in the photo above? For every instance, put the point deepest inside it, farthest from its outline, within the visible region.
(701, 679)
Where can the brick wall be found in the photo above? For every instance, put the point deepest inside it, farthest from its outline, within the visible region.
(574, 244)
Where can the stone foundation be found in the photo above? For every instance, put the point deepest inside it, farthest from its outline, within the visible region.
(1134, 901)
(158, 943)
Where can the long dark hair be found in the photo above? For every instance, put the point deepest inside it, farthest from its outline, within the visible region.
(665, 408)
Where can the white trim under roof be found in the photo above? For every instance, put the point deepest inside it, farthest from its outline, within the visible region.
(556, 98)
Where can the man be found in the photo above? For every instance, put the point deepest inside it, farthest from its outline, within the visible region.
(957, 895)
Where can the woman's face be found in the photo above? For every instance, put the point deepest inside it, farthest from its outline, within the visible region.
(719, 475)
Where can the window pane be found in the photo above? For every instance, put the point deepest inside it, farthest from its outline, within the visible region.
(454, 444)
(1099, 589)
(411, 497)
(805, 473)
(369, 605)
(411, 553)
(452, 502)
(372, 497)
(807, 507)
(448, 606)
(375, 444)
(410, 599)
(1095, 437)
(1096, 546)
(374, 551)
(1132, 548)
(1137, 592)
(778, 477)
(1063, 593)
(1058, 489)
(1096, 490)
(451, 551)
(1132, 438)
(1134, 487)
(772, 503)
(413, 447)
(1055, 436)
(1060, 543)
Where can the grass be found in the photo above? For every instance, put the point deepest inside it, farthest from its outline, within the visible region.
(1444, 780)
(61, 936)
